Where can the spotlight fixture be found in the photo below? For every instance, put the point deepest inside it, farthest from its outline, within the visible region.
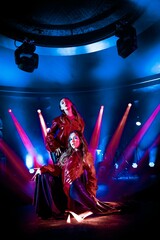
(127, 42)
(25, 57)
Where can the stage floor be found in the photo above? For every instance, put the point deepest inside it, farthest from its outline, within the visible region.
(20, 221)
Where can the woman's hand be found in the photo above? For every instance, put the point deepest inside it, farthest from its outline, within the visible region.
(38, 171)
(58, 152)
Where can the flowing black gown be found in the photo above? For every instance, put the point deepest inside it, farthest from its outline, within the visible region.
(49, 198)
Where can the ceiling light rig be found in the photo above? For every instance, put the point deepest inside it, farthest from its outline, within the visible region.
(25, 57)
(127, 42)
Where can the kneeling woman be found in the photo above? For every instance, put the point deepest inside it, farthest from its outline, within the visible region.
(79, 178)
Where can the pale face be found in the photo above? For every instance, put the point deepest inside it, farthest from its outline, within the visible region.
(65, 104)
(74, 140)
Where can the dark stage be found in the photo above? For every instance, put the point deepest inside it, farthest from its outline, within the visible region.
(19, 220)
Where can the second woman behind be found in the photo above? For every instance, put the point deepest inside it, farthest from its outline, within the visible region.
(49, 198)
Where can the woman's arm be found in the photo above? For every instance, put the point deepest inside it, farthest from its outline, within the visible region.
(50, 141)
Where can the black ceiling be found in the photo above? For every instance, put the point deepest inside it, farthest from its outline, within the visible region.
(66, 23)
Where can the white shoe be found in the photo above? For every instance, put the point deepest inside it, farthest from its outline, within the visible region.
(80, 217)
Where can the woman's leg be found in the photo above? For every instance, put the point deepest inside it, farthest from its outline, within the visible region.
(79, 193)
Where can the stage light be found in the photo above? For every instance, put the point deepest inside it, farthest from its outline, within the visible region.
(134, 165)
(116, 165)
(127, 42)
(25, 57)
(138, 122)
(151, 164)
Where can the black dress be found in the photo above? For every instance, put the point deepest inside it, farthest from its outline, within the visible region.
(49, 197)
